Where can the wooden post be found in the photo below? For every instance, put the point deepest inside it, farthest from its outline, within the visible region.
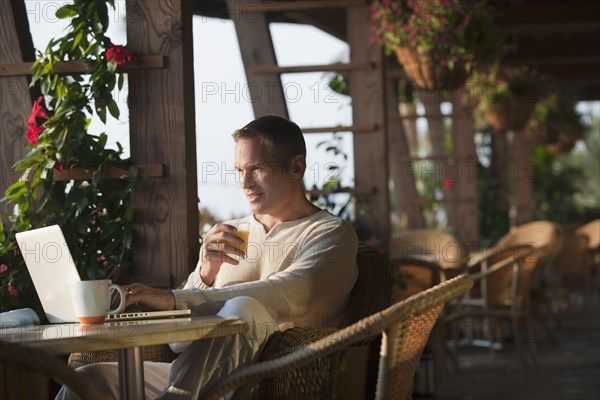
(401, 169)
(435, 124)
(464, 216)
(368, 104)
(256, 46)
(523, 177)
(162, 124)
(15, 98)
(500, 170)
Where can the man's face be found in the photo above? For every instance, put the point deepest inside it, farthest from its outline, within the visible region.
(263, 180)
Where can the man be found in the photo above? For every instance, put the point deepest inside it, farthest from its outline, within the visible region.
(298, 271)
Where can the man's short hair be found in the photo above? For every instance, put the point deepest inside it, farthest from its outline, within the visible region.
(283, 138)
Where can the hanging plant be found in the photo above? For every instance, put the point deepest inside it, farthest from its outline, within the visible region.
(438, 42)
(94, 214)
(556, 124)
(506, 96)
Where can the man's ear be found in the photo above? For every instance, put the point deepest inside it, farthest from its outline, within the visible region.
(297, 167)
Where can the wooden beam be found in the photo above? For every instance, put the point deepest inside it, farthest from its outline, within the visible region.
(553, 14)
(163, 131)
(337, 67)
(256, 46)
(290, 6)
(368, 104)
(109, 172)
(553, 45)
(78, 67)
(443, 157)
(321, 192)
(356, 128)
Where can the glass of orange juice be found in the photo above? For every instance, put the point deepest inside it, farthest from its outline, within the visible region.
(243, 232)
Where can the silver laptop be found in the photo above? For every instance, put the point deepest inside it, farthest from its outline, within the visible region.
(52, 270)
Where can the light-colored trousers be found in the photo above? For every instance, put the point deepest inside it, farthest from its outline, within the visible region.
(201, 363)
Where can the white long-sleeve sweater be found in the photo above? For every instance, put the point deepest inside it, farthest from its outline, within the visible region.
(302, 271)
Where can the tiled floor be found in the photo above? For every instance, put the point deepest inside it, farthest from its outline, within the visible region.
(568, 370)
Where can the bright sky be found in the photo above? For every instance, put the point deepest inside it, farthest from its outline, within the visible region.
(222, 102)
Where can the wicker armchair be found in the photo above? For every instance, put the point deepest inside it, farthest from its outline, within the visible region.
(25, 373)
(371, 293)
(405, 326)
(504, 278)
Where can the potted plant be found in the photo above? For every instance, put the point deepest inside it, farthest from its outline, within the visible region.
(438, 42)
(506, 96)
(556, 124)
(94, 213)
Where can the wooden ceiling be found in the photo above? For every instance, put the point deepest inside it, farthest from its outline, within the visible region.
(560, 38)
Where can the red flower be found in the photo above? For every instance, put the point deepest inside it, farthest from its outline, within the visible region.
(3, 268)
(448, 183)
(11, 289)
(120, 54)
(37, 111)
(33, 130)
(58, 167)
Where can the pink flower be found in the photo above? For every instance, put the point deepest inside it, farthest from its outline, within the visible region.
(12, 290)
(120, 54)
(3, 268)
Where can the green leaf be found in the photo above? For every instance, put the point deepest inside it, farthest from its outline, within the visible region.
(77, 40)
(101, 111)
(113, 108)
(121, 81)
(16, 189)
(65, 11)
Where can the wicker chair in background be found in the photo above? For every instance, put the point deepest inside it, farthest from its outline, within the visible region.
(372, 292)
(504, 285)
(569, 278)
(592, 231)
(405, 326)
(25, 373)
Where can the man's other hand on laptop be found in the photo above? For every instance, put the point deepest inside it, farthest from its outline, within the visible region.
(157, 299)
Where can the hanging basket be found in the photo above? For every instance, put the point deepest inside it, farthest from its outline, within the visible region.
(508, 115)
(561, 139)
(427, 75)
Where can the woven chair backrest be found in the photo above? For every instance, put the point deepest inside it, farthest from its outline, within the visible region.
(372, 291)
(545, 237)
(570, 263)
(592, 231)
(401, 348)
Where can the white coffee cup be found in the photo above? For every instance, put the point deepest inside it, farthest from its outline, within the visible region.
(92, 300)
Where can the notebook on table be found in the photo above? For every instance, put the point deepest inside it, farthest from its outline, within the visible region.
(52, 270)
